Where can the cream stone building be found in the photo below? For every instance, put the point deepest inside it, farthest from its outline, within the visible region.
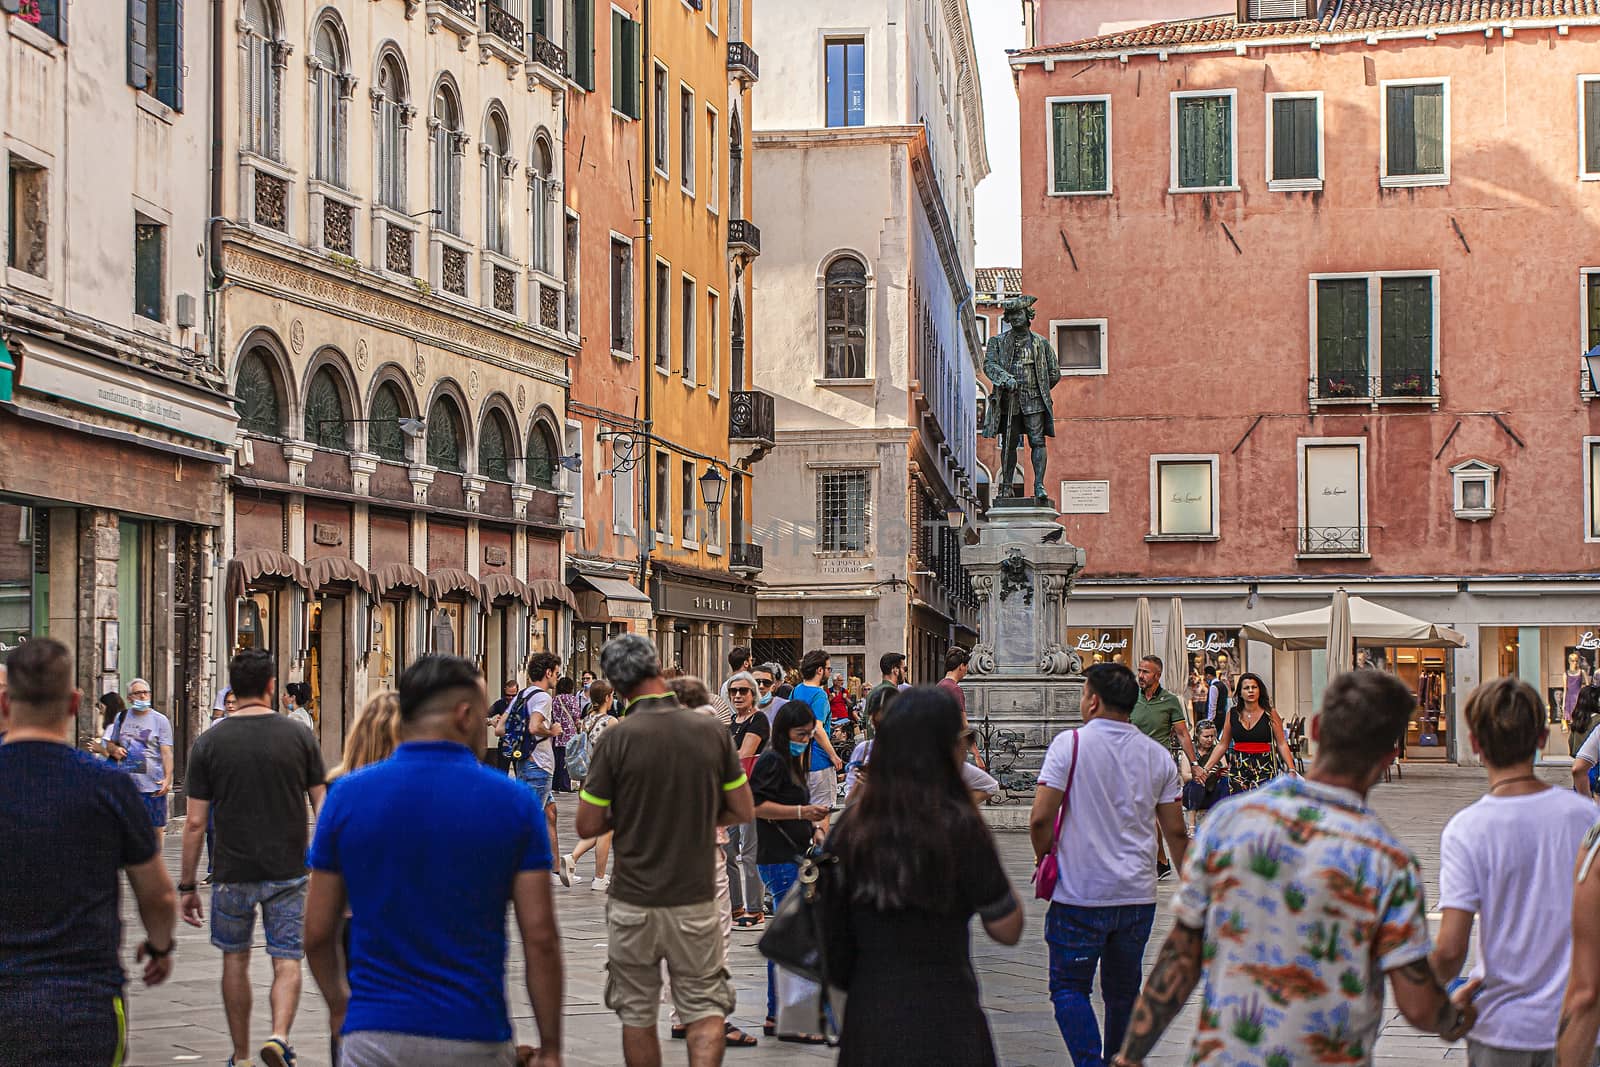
(397, 323)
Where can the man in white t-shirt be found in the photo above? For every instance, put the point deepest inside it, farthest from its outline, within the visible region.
(1117, 785)
(1509, 858)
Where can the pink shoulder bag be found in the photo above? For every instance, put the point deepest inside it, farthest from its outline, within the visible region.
(1048, 872)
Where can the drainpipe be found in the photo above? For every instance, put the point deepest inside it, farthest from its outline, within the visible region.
(647, 364)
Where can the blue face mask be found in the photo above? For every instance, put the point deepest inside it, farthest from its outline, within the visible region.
(766, 699)
(140, 705)
(798, 748)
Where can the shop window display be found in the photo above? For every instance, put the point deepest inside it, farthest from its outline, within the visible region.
(1556, 660)
(1427, 673)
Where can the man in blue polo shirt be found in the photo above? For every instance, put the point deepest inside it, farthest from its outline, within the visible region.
(428, 847)
(823, 780)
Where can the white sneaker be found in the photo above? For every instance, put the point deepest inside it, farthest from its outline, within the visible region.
(563, 872)
(555, 879)
(600, 885)
(568, 867)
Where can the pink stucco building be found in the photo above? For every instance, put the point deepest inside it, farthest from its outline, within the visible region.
(1321, 287)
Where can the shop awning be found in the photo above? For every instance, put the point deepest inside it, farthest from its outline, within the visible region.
(504, 586)
(451, 580)
(258, 563)
(326, 569)
(603, 599)
(401, 575)
(1369, 622)
(549, 589)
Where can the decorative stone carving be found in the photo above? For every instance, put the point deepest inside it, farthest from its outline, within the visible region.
(549, 307)
(419, 370)
(1058, 660)
(505, 290)
(453, 270)
(397, 256)
(271, 199)
(1015, 577)
(337, 228)
(362, 355)
(981, 659)
(522, 397)
(297, 336)
(473, 384)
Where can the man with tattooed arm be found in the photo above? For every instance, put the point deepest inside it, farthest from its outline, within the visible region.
(1295, 899)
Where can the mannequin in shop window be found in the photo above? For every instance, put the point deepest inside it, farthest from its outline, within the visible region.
(1577, 677)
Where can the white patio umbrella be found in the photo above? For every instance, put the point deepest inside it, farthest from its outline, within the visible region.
(1176, 657)
(1144, 633)
(1368, 622)
(1341, 642)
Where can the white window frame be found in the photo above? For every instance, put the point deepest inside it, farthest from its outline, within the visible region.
(872, 472)
(1295, 185)
(869, 370)
(1300, 446)
(633, 318)
(689, 510)
(1156, 462)
(662, 326)
(983, 330)
(689, 363)
(1374, 281)
(1233, 140)
(1591, 529)
(1105, 346)
(622, 518)
(573, 279)
(660, 133)
(713, 158)
(573, 479)
(1583, 139)
(660, 499)
(1050, 144)
(687, 163)
(1409, 181)
(714, 340)
(1473, 470)
(714, 15)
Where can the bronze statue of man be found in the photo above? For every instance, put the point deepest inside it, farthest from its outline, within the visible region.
(1023, 368)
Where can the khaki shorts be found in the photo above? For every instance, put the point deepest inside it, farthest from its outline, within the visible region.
(689, 939)
(823, 786)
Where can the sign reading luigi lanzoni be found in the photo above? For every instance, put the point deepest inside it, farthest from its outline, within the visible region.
(703, 602)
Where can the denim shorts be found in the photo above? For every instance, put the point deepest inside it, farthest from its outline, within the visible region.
(157, 807)
(537, 779)
(283, 913)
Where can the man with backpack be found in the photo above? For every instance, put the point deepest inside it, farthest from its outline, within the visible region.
(527, 731)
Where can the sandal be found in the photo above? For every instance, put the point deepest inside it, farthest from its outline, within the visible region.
(737, 1038)
(804, 1039)
(770, 1027)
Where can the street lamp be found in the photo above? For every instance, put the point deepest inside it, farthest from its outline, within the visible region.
(712, 486)
(1591, 363)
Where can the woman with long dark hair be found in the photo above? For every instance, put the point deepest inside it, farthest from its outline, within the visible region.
(916, 862)
(1252, 738)
(786, 820)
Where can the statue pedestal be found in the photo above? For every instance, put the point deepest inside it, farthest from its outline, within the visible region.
(1022, 677)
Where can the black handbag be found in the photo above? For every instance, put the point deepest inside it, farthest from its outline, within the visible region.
(806, 935)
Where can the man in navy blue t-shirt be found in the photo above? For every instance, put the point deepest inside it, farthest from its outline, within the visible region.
(68, 824)
(426, 849)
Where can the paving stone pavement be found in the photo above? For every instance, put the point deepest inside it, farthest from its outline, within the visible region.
(181, 1021)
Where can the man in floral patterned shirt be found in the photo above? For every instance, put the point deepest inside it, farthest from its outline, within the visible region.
(1296, 902)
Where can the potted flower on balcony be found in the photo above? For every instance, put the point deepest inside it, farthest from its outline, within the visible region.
(1340, 389)
(1408, 385)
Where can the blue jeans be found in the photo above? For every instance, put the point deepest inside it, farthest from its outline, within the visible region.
(283, 916)
(1079, 939)
(537, 779)
(779, 878)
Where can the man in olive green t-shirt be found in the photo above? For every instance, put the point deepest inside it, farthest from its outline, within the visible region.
(1159, 716)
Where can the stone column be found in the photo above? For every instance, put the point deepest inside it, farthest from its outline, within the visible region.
(166, 691)
(99, 547)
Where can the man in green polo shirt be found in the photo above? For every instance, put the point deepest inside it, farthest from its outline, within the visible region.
(1159, 715)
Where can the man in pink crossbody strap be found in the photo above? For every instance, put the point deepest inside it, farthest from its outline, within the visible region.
(1122, 786)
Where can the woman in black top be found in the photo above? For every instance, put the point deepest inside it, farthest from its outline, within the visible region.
(916, 862)
(1252, 738)
(785, 818)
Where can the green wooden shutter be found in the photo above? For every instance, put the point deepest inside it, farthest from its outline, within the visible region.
(633, 88)
(1593, 283)
(1079, 130)
(1219, 140)
(1342, 337)
(1066, 138)
(169, 53)
(619, 92)
(1294, 139)
(582, 59)
(1591, 127)
(1191, 142)
(1407, 317)
(1402, 133)
(139, 43)
(1428, 115)
(1092, 161)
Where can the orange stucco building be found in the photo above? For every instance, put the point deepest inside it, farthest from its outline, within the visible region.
(1321, 283)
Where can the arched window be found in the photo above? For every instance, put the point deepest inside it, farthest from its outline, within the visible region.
(327, 419)
(448, 144)
(735, 160)
(444, 436)
(736, 335)
(494, 449)
(261, 77)
(846, 309)
(496, 177)
(393, 120)
(260, 397)
(541, 197)
(384, 435)
(329, 79)
(542, 456)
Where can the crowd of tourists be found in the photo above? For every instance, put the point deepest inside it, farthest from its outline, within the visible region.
(860, 857)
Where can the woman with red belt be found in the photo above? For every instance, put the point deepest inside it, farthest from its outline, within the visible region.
(1252, 739)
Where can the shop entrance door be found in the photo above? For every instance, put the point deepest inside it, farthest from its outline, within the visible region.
(328, 666)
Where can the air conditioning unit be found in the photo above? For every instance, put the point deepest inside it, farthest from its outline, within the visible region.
(1277, 10)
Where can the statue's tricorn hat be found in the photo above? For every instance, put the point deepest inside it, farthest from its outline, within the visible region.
(1019, 303)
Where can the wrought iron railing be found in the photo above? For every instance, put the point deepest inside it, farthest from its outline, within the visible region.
(547, 53)
(741, 57)
(1408, 384)
(752, 417)
(744, 234)
(1336, 387)
(744, 556)
(504, 25)
(468, 8)
(1332, 540)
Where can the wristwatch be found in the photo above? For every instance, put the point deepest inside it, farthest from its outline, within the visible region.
(159, 953)
(187, 887)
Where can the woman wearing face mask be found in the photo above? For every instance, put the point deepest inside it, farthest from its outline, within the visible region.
(786, 823)
(1252, 739)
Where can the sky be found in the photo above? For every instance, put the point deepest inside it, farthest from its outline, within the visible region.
(996, 26)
